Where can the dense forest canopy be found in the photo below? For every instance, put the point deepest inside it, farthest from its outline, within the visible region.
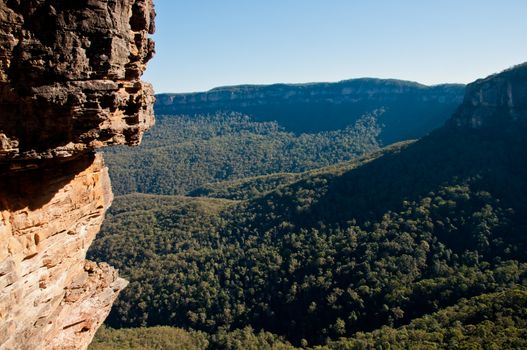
(489, 321)
(419, 244)
(334, 252)
(185, 153)
(237, 132)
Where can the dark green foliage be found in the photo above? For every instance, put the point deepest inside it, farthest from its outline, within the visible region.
(253, 187)
(153, 338)
(245, 188)
(373, 243)
(490, 321)
(171, 338)
(182, 153)
(420, 245)
(247, 339)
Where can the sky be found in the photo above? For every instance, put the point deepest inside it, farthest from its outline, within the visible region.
(201, 44)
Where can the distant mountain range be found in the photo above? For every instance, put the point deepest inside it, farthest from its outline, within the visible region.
(410, 109)
(230, 133)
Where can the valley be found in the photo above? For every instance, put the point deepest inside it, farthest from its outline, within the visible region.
(350, 245)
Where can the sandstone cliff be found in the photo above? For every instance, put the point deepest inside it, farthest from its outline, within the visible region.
(69, 75)
(69, 84)
(499, 100)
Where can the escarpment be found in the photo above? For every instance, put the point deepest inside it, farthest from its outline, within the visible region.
(498, 101)
(50, 296)
(69, 84)
(411, 110)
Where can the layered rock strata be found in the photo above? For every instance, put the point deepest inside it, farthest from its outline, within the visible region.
(70, 75)
(49, 296)
(69, 84)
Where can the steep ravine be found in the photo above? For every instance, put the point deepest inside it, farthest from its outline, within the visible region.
(69, 84)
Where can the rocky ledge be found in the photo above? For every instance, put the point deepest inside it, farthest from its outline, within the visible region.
(69, 84)
(70, 75)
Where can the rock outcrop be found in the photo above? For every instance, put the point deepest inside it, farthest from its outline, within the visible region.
(50, 297)
(69, 84)
(69, 75)
(495, 101)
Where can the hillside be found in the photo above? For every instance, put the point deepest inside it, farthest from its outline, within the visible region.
(184, 153)
(378, 242)
(412, 109)
(496, 320)
(246, 131)
(252, 187)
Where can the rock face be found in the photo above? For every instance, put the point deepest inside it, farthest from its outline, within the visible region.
(69, 84)
(495, 101)
(69, 75)
(50, 216)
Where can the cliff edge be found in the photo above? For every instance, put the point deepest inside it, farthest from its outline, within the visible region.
(69, 84)
(497, 101)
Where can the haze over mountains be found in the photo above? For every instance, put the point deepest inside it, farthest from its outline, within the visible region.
(421, 243)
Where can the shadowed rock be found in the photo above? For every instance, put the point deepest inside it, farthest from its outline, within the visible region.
(70, 76)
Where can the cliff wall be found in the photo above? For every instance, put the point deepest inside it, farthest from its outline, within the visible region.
(69, 75)
(499, 100)
(69, 84)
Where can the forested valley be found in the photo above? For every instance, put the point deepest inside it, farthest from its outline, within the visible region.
(184, 153)
(337, 243)
(245, 131)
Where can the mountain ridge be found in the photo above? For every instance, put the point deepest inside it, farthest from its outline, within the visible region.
(492, 100)
(312, 83)
(411, 109)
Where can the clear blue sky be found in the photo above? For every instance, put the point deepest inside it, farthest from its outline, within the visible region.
(202, 44)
